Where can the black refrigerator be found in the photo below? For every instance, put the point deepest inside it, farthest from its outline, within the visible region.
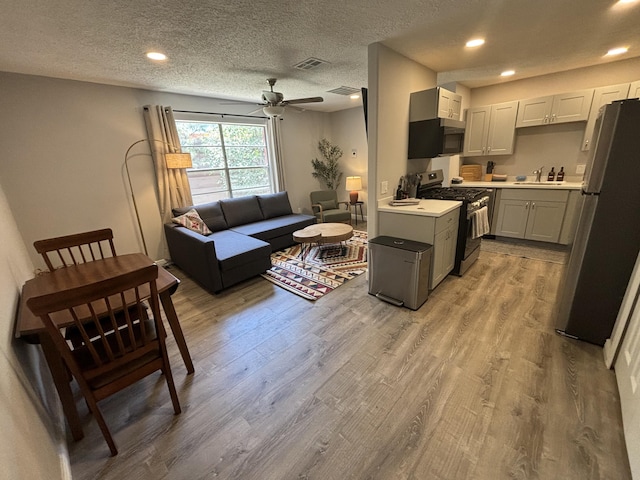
(607, 238)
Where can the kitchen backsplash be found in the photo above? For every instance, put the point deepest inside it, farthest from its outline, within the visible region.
(545, 146)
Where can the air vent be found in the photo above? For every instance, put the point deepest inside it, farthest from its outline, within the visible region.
(345, 90)
(309, 64)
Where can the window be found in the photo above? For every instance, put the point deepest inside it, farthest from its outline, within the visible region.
(229, 159)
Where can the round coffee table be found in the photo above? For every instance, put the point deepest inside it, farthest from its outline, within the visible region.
(321, 234)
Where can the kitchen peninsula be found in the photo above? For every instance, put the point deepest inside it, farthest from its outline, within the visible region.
(430, 221)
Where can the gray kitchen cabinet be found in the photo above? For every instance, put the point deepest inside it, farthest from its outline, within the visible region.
(444, 246)
(566, 107)
(531, 214)
(436, 102)
(634, 90)
(602, 96)
(441, 232)
(490, 130)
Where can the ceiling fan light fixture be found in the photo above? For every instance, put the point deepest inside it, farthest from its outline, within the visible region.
(273, 110)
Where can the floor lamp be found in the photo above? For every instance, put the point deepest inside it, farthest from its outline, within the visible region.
(172, 160)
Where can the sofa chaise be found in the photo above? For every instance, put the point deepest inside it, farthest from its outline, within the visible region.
(245, 230)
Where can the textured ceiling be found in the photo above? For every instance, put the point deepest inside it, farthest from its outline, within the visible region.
(228, 49)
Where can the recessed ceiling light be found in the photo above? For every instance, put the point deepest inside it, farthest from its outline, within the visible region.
(156, 56)
(508, 73)
(617, 51)
(475, 42)
(355, 96)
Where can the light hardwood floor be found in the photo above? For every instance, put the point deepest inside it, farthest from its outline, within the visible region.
(474, 385)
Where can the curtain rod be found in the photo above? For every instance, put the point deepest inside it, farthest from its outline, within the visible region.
(221, 114)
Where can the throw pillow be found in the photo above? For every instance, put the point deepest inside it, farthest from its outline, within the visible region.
(192, 221)
(328, 205)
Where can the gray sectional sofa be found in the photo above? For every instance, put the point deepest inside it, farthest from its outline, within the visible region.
(245, 232)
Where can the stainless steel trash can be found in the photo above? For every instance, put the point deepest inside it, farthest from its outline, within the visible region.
(399, 271)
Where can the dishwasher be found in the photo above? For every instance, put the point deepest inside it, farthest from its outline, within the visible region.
(399, 271)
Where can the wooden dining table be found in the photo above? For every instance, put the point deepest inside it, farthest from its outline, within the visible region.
(30, 328)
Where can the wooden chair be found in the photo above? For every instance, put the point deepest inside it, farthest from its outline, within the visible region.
(108, 361)
(61, 252)
(69, 250)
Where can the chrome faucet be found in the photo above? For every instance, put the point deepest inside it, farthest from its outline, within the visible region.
(538, 173)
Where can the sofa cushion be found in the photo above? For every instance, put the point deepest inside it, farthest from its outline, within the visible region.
(275, 205)
(276, 227)
(192, 221)
(234, 249)
(241, 210)
(211, 214)
(328, 205)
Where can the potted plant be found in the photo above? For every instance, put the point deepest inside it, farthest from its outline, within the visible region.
(327, 169)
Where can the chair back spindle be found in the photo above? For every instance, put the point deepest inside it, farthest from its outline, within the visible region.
(60, 252)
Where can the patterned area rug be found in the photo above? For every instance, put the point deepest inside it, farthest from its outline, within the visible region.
(323, 270)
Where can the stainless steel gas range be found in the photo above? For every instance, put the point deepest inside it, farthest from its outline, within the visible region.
(475, 203)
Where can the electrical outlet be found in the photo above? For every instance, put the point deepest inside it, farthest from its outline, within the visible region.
(384, 187)
(354, 153)
(580, 168)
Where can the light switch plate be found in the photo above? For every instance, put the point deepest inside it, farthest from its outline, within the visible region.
(580, 168)
(384, 187)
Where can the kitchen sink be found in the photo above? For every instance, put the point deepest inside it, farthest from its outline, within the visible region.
(538, 183)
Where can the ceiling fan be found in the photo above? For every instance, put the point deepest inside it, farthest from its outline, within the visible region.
(274, 102)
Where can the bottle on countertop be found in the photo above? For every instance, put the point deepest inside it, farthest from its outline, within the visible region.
(552, 175)
(399, 192)
(561, 174)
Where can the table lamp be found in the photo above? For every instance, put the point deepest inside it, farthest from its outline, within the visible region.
(353, 185)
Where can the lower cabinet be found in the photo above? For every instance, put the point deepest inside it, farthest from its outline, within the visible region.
(444, 248)
(532, 214)
(441, 232)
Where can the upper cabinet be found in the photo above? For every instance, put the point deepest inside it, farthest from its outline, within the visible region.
(602, 96)
(567, 107)
(634, 90)
(490, 130)
(436, 102)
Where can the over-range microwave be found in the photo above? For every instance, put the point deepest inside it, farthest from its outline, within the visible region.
(436, 137)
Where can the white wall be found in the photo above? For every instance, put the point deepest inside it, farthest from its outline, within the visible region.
(348, 132)
(32, 443)
(63, 155)
(301, 133)
(392, 78)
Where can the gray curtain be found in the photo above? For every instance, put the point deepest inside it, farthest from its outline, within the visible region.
(276, 137)
(173, 185)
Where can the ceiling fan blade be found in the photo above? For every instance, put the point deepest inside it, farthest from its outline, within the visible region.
(304, 100)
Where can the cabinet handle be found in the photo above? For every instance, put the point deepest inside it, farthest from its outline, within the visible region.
(546, 119)
(488, 149)
(553, 117)
(586, 143)
(526, 206)
(533, 205)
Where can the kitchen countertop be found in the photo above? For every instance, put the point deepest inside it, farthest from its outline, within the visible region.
(543, 185)
(427, 208)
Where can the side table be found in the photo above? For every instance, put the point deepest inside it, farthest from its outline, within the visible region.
(355, 210)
